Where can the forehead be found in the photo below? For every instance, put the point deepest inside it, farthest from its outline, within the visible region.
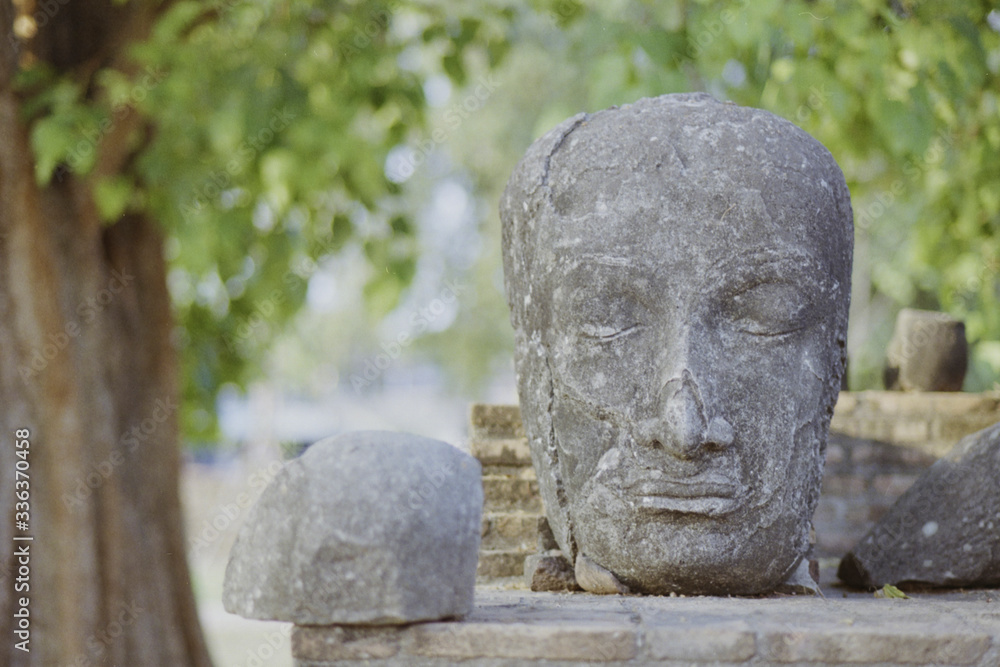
(656, 224)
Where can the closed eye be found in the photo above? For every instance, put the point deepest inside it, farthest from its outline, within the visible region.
(602, 332)
(770, 309)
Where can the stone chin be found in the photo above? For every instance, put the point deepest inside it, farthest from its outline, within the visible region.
(684, 552)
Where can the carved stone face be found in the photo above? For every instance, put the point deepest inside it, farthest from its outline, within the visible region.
(678, 273)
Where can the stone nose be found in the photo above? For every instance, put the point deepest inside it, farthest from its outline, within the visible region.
(682, 427)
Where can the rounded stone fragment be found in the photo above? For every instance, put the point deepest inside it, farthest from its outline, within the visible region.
(370, 527)
(943, 531)
(928, 352)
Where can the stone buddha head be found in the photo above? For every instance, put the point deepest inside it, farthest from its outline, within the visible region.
(678, 275)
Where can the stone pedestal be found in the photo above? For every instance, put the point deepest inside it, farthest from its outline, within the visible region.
(566, 629)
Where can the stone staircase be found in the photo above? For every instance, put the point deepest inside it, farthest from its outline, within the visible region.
(512, 506)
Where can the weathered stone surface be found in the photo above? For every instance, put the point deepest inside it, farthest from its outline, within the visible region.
(369, 527)
(945, 530)
(500, 563)
(581, 641)
(928, 352)
(510, 530)
(489, 422)
(931, 422)
(678, 273)
(525, 628)
(549, 571)
(503, 492)
(546, 540)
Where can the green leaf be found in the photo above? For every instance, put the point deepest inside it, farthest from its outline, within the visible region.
(51, 141)
(112, 196)
(890, 591)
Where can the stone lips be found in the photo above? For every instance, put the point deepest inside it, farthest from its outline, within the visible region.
(943, 530)
(757, 176)
(369, 527)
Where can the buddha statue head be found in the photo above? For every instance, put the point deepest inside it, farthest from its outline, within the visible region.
(678, 275)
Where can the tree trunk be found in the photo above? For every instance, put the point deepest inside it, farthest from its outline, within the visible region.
(88, 370)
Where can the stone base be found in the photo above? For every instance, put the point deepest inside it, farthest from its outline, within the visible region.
(513, 627)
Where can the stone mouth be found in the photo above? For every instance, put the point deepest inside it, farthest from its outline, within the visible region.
(709, 493)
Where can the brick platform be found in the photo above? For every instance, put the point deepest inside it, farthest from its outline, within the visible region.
(880, 443)
(525, 628)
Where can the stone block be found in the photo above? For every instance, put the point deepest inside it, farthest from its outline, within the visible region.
(598, 642)
(346, 642)
(549, 571)
(943, 530)
(369, 527)
(495, 564)
(504, 493)
(501, 451)
(730, 643)
(928, 352)
(841, 645)
(495, 421)
(510, 530)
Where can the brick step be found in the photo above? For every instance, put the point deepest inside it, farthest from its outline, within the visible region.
(501, 451)
(494, 563)
(510, 530)
(520, 472)
(503, 493)
(495, 421)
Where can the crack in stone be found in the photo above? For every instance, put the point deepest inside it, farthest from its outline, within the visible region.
(552, 450)
(548, 158)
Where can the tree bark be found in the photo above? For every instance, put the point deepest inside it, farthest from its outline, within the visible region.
(88, 368)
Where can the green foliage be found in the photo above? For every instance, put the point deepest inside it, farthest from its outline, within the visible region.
(903, 94)
(274, 120)
(274, 123)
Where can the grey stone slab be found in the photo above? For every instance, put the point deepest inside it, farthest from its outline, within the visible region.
(524, 628)
(369, 527)
(944, 530)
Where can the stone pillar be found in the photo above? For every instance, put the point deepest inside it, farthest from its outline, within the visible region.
(928, 352)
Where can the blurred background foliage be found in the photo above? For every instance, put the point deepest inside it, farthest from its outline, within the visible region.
(348, 156)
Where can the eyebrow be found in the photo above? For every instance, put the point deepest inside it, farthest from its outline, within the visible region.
(566, 262)
(760, 255)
